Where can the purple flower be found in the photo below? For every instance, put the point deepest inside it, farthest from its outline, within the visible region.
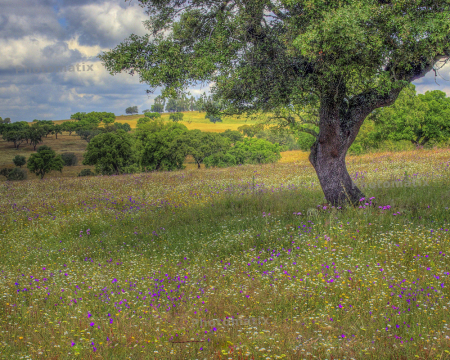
(92, 324)
(72, 344)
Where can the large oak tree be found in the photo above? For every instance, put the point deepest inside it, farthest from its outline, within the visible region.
(342, 59)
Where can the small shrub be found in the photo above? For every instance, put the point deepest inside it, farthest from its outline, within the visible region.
(70, 159)
(86, 172)
(19, 160)
(5, 172)
(17, 174)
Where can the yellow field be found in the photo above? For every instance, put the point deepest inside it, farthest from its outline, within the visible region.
(192, 120)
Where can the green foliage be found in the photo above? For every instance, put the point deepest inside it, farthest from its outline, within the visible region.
(203, 144)
(5, 172)
(19, 160)
(123, 126)
(35, 134)
(248, 151)
(131, 169)
(110, 152)
(142, 121)
(88, 135)
(17, 174)
(69, 158)
(94, 117)
(157, 108)
(132, 110)
(175, 117)
(213, 119)
(282, 136)
(419, 118)
(69, 126)
(233, 135)
(44, 161)
(152, 115)
(86, 172)
(158, 146)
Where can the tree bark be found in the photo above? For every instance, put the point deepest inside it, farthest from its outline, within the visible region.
(339, 124)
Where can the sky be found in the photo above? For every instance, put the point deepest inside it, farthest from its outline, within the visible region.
(62, 33)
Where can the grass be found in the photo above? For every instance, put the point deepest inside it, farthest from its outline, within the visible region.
(126, 266)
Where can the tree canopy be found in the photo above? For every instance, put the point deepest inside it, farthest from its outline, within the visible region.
(339, 59)
(44, 161)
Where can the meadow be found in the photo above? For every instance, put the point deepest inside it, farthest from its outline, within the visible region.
(126, 267)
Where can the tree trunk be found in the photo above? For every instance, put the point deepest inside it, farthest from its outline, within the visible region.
(339, 124)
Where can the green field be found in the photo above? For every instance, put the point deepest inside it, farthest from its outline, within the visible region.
(127, 266)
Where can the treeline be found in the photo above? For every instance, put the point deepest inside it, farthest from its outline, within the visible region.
(174, 105)
(84, 125)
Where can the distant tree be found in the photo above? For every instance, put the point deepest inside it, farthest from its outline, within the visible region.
(46, 125)
(158, 145)
(213, 119)
(110, 152)
(35, 134)
(146, 110)
(17, 137)
(88, 135)
(171, 105)
(175, 117)
(19, 160)
(132, 110)
(7, 120)
(152, 115)
(157, 108)
(57, 129)
(233, 135)
(69, 126)
(44, 161)
(202, 144)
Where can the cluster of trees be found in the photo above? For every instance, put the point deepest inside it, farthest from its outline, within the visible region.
(159, 145)
(5, 121)
(85, 125)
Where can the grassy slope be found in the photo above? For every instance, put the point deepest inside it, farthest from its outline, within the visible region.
(165, 250)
